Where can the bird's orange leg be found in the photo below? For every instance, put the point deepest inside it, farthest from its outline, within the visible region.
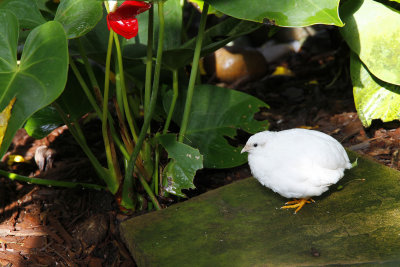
(297, 204)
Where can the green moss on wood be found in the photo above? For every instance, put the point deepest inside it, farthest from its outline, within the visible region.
(241, 224)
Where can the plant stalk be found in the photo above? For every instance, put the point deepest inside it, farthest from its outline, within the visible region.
(89, 69)
(193, 73)
(84, 86)
(97, 109)
(104, 130)
(156, 173)
(128, 183)
(80, 139)
(149, 60)
(123, 89)
(47, 182)
(118, 90)
(173, 102)
(146, 150)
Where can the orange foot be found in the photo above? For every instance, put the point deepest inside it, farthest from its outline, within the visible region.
(297, 203)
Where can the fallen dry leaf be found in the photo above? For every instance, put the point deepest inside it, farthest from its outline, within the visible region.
(4, 118)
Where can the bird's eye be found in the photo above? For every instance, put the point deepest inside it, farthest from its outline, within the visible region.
(255, 145)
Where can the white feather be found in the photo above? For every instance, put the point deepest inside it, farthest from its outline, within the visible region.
(296, 163)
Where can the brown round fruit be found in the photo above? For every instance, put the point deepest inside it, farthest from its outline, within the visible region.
(232, 63)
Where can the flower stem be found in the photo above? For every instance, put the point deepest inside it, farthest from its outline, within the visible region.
(123, 88)
(84, 86)
(146, 152)
(149, 60)
(40, 181)
(150, 193)
(89, 69)
(173, 102)
(126, 201)
(104, 130)
(155, 173)
(118, 91)
(97, 109)
(80, 139)
(193, 73)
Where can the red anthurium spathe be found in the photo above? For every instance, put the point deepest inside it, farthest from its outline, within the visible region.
(123, 20)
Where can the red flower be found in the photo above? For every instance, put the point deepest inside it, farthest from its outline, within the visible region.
(123, 20)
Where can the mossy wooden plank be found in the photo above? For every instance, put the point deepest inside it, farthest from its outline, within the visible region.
(241, 224)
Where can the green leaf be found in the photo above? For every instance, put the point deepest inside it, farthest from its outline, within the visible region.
(27, 12)
(48, 6)
(290, 13)
(79, 16)
(41, 75)
(214, 38)
(95, 42)
(136, 47)
(43, 122)
(176, 55)
(72, 101)
(180, 171)
(217, 113)
(371, 31)
(211, 10)
(173, 24)
(374, 98)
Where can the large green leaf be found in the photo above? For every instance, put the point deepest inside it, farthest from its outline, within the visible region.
(95, 42)
(136, 47)
(374, 98)
(211, 10)
(173, 24)
(290, 13)
(214, 38)
(39, 78)
(217, 113)
(180, 171)
(176, 56)
(72, 101)
(79, 16)
(372, 31)
(48, 6)
(43, 122)
(27, 12)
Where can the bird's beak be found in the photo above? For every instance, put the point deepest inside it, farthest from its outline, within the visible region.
(245, 149)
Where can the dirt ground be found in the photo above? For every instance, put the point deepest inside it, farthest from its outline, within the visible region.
(42, 226)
